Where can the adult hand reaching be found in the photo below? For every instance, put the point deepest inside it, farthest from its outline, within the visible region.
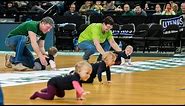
(43, 60)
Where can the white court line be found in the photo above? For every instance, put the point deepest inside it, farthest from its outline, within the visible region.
(21, 78)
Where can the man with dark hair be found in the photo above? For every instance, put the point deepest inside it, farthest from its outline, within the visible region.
(29, 32)
(97, 37)
(138, 11)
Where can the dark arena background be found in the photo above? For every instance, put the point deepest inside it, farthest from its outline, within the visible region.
(157, 73)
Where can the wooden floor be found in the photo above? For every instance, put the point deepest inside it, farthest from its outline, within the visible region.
(149, 87)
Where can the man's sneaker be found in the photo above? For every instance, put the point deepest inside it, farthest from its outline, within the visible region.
(20, 67)
(8, 64)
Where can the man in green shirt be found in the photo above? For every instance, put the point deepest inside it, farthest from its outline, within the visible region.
(29, 32)
(97, 37)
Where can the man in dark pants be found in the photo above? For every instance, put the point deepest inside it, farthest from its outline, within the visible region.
(29, 32)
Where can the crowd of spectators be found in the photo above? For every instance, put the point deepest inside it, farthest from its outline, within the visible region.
(66, 8)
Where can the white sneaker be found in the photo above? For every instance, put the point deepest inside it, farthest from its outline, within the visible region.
(20, 67)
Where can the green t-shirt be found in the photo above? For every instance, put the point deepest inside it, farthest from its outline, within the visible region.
(94, 30)
(128, 13)
(179, 12)
(23, 29)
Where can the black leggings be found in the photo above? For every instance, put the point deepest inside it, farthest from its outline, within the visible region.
(49, 93)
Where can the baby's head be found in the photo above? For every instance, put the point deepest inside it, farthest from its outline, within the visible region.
(84, 69)
(109, 58)
(53, 51)
(128, 50)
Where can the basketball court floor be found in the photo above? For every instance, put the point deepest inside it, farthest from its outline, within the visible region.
(150, 80)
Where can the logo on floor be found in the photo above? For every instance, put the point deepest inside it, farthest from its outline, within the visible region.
(20, 78)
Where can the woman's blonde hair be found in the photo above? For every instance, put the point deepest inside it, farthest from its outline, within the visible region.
(108, 54)
(81, 64)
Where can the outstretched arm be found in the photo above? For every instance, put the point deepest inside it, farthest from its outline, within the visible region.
(80, 93)
(99, 72)
(52, 64)
(122, 61)
(129, 61)
(98, 46)
(108, 74)
(35, 47)
(41, 46)
(114, 45)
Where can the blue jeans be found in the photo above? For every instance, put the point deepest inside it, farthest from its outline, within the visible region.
(23, 54)
(89, 48)
(1, 97)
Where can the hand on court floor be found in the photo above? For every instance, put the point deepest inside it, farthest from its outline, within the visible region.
(101, 82)
(82, 97)
(53, 69)
(126, 64)
(106, 82)
(109, 81)
(129, 64)
(122, 64)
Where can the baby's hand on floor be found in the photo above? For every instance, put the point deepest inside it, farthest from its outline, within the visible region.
(82, 97)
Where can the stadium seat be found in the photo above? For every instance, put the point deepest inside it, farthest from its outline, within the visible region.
(138, 38)
(153, 38)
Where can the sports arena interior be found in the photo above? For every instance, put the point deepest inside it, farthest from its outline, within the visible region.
(154, 30)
